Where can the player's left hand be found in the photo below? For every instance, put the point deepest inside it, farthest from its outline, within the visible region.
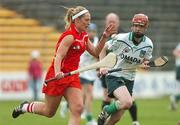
(109, 30)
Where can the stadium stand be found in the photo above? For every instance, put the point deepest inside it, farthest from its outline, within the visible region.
(163, 14)
(19, 36)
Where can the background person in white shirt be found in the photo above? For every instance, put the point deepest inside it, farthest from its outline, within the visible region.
(174, 98)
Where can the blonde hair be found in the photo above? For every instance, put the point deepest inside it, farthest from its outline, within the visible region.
(71, 12)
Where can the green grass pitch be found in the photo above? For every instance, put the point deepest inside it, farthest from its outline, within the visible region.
(150, 112)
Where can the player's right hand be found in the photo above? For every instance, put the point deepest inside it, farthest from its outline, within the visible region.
(59, 75)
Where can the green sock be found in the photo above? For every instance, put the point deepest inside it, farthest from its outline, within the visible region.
(89, 117)
(177, 97)
(113, 107)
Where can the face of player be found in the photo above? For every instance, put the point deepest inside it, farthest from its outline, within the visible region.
(138, 30)
(83, 22)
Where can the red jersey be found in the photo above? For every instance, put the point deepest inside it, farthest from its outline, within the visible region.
(72, 58)
(35, 69)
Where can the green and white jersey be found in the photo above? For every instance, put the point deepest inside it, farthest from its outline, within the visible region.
(128, 53)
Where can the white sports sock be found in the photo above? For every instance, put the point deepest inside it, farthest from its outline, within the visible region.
(28, 107)
(24, 108)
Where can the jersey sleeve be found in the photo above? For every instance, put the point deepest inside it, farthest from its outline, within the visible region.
(113, 45)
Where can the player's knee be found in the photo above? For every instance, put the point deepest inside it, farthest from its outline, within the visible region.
(50, 114)
(127, 104)
(77, 109)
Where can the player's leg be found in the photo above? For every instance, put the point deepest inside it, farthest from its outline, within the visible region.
(87, 87)
(53, 95)
(63, 108)
(32, 83)
(84, 89)
(106, 99)
(174, 100)
(123, 102)
(118, 89)
(175, 97)
(47, 108)
(133, 113)
(115, 117)
(88, 104)
(75, 101)
(35, 89)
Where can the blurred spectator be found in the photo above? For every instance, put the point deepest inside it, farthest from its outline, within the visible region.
(115, 19)
(35, 73)
(174, 98)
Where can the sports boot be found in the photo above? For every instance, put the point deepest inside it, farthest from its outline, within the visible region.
(18, 110)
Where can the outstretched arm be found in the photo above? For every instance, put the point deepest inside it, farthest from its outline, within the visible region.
(95, 51)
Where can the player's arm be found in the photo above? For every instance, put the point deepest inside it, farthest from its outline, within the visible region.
(91, 49)
(95, 51)
(61, 53)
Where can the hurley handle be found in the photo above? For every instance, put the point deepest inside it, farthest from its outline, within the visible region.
(54, 78)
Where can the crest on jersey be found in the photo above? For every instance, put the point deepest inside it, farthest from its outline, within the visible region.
(126, 50)
(142, 53)
(76, 47)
